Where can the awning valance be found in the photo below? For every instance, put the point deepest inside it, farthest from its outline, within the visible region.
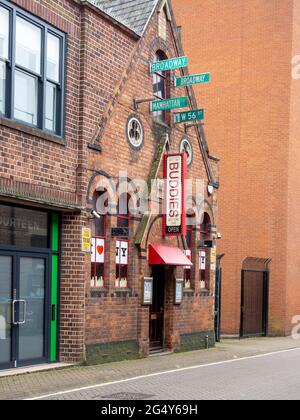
(166, 255)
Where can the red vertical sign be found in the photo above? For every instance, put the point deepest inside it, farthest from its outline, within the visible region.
(174, 220)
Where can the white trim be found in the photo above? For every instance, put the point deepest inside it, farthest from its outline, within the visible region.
(165, 3)
(150, 17)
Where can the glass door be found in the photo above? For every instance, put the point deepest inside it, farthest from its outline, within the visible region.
(6, 302)
(24, 309)
(31, 314)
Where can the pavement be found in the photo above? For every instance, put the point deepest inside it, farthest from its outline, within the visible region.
(264, 368)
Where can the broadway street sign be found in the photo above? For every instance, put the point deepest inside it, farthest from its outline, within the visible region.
(168, 104)
(192, 80)
(173, 63)
(196, 115)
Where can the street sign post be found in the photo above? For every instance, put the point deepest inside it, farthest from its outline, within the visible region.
(168, 104)
(171, 64)
(196, 115)
(192, 80)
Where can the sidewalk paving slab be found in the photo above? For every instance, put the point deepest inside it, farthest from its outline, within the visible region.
(22, 386)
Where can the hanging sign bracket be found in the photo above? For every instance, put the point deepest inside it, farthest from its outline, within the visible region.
(188, 126)
(137, 102)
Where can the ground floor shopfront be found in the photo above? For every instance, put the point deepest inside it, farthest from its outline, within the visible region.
(53, 307)
(29, 273)
(154, 296)
(132, 329)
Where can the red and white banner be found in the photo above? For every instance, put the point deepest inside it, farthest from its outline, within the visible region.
(122, 253)
(202, 262)
(98, 247)
(174, 175)
(188, 253)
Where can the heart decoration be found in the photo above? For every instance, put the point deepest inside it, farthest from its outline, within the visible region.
(100, 249)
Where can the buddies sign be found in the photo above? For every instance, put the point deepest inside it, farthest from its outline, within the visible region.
(174, 175)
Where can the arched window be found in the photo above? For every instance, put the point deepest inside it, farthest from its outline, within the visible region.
(122, 246)
(204, 253)
(98, 244)
(160, 88)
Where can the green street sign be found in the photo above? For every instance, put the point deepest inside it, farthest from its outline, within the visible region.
(192, 80)
(168, 104)
(171, 64)
(197, 114)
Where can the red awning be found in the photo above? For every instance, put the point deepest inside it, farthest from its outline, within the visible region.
(166, 255)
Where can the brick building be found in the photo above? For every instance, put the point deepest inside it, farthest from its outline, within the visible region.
(74, 77)
(252, 50)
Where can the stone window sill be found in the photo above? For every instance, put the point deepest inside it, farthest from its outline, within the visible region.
(123, 292)
(188, 291)
(98, 292)
(36, 132)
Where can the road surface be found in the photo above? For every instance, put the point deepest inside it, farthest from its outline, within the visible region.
(273, 376)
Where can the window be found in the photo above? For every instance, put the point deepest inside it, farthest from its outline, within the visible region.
(98, 247)
(31, 73)
(4, 31)
(23, 227)
(123, 219)
(135, 132)
(121, 264)
(204, 254)
(186, 147)
(160, 87)
(187, 274)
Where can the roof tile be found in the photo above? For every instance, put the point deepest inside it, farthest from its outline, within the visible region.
(132, 13)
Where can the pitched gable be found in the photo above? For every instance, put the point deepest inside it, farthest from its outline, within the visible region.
(132, 13)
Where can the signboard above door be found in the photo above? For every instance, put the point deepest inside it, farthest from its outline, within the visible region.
(174, 220)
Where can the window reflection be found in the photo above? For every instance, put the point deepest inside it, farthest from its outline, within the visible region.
(26, 98)
(28, 48)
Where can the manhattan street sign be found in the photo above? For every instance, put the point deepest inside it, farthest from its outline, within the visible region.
(168, 104)
(196, 115)
(171, 64)
(192, 80)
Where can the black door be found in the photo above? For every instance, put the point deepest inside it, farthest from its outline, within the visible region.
(24, 308)
(157, 309)
(254, 311)
(218, 303)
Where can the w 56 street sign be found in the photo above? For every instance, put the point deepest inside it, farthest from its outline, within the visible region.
(196, 115)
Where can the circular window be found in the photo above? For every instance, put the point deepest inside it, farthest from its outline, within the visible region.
(135, 132)
(186, 146)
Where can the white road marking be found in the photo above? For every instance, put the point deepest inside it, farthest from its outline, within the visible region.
(151, 375)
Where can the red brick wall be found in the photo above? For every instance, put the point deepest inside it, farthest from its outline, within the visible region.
(50, 169)
(111, 317)
(34, 160)
(293, 262)
(105, 72)
(248, 47)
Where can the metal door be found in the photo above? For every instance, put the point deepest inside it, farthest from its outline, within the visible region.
(218, 304)
(254, 308)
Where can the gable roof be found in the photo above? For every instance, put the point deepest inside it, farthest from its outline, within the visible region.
(134, 14)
